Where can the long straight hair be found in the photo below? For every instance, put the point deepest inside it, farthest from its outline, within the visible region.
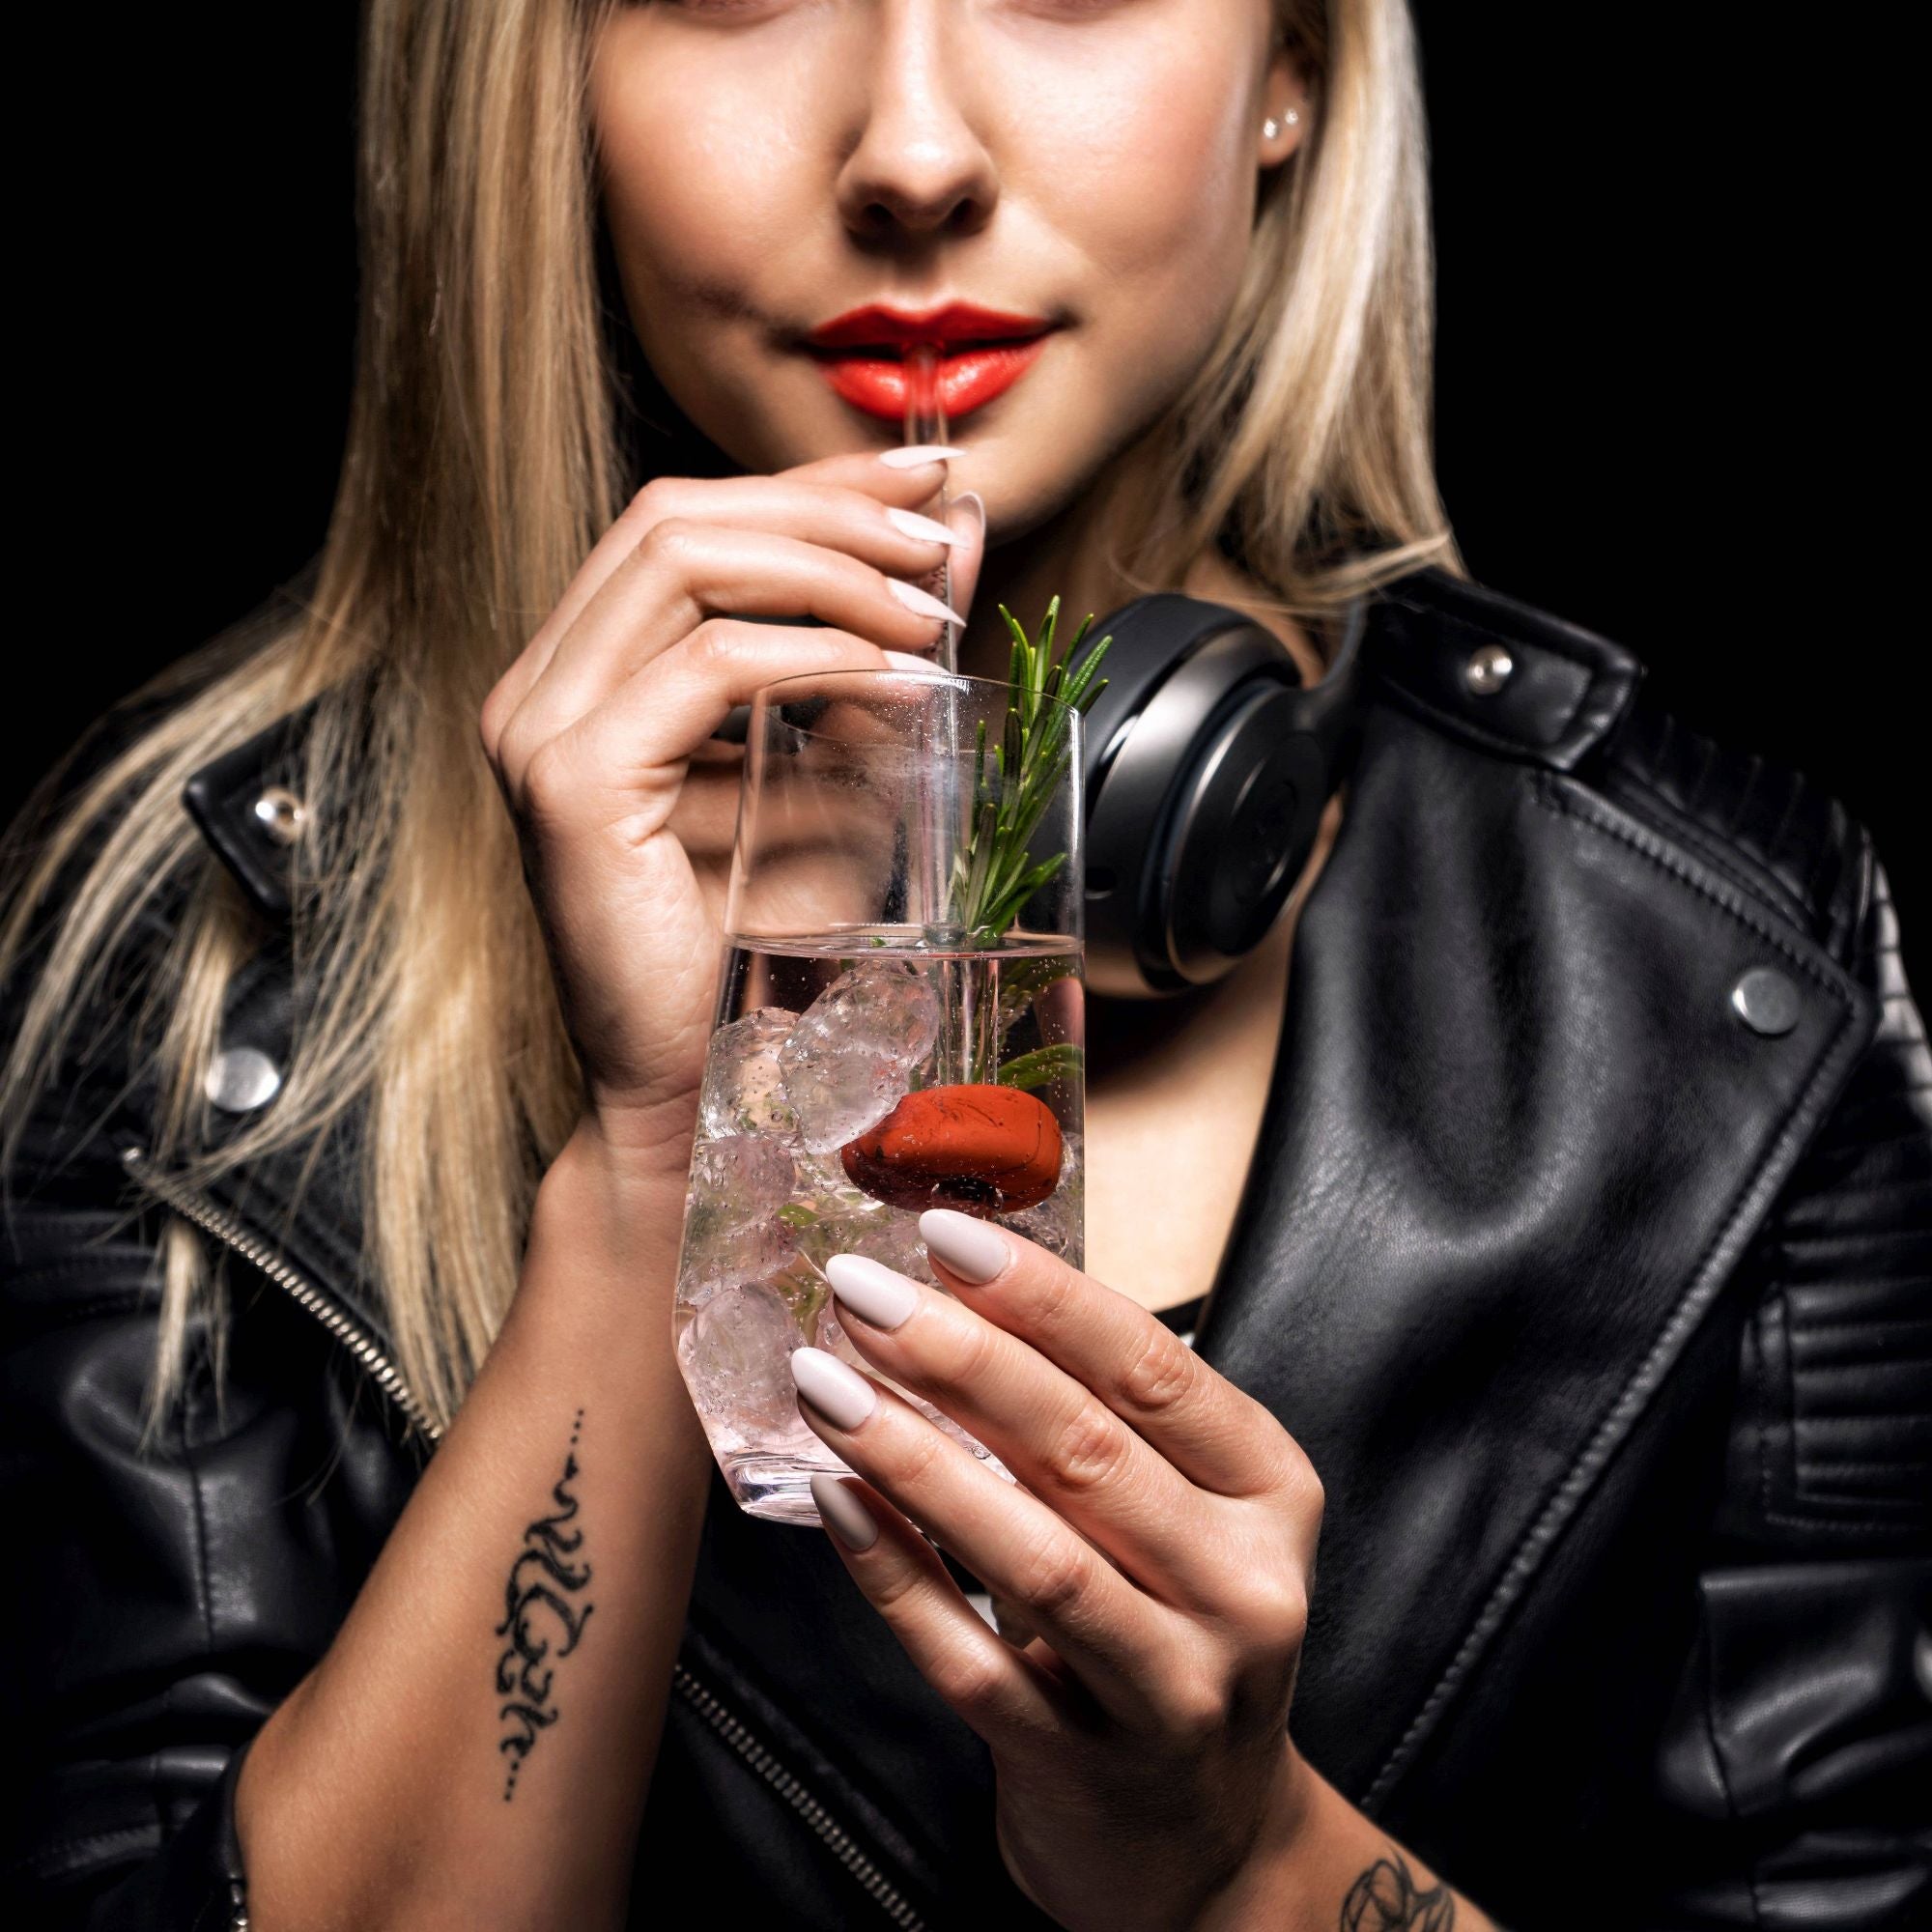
(500, 419)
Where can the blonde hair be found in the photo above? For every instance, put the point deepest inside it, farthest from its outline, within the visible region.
(495, 434)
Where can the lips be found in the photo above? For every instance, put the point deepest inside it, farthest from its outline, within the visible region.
(983, 353)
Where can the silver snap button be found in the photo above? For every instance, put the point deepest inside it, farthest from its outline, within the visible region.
(1766, 1001)
(279, 812)
(1487, 670)
(242, 1077)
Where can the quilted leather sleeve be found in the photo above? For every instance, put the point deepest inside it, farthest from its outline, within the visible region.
(1795, 1781)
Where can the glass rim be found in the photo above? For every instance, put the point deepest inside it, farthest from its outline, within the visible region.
(958, 680)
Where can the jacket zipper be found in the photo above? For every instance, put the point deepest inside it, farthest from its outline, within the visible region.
(343, 1327)
(368, 1351)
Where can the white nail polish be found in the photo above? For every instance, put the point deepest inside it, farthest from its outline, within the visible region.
(910, 661)
(922, 602)
(974, 1251)
(926, 530)
(843, 1396)
(911, 457)
(843, 1514)
(871, 1291)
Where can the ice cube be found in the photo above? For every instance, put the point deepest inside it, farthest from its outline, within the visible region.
(741, 1178)
(744, 1091)
(736, 1357)
(848, 1059)
(732, 1232)
(837, 1095)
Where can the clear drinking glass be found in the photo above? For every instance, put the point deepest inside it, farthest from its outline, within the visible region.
(891, 1034)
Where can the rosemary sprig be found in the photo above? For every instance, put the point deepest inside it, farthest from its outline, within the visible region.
(992, 876)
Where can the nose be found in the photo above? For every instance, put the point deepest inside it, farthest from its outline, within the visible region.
(918, 165)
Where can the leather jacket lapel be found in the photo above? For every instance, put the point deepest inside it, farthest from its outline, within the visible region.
(1518, 1141)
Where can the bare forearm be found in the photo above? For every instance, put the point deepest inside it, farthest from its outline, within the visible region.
(1322, 1866)
(475, 1747)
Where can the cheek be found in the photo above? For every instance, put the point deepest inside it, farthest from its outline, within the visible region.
(1153, 183)
(701, 177)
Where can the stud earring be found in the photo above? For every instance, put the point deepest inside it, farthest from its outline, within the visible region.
(1271, 126)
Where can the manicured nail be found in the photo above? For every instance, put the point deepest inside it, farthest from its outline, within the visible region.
(910, 458)
(873, 1293)
(844, 1514)
(910, 661)
(923, 601)
(974, 506)
(927, 529)
(842, 1397)
(973, 1250)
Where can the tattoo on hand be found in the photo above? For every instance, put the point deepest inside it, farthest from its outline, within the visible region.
(1385, 1899)
(538, 1610)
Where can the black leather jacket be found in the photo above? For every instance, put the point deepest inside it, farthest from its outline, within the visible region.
(1587, 1252)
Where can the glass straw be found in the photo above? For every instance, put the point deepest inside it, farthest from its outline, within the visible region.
(925, 423)
(943, 812)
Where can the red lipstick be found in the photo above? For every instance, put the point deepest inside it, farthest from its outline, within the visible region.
(983, 353)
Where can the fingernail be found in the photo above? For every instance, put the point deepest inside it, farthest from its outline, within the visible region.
(974, 506)
(844, 1514)
(973, 1250)
(927, 529)
(911, 457)
(843, 1397)
(922, 602)
(873, 1293)
(910, 661)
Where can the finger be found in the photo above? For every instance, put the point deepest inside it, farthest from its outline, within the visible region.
(967, 520)
(1111, 1634)
(635, 741)
(683, 572)
(834, 499)
(998, 1690)
(958, 576)
(1053, 1433)
(1215, 1435)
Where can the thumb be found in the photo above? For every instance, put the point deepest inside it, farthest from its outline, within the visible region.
(966, 518)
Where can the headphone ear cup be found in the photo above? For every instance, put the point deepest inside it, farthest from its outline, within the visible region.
(1208, 767)
(1241, 823)
(1200, 788)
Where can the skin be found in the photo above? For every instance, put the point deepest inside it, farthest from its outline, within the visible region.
(768, 163)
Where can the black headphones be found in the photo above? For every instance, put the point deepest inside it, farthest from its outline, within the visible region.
(1207, 766)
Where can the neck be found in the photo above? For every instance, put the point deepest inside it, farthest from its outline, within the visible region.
(1075, 554)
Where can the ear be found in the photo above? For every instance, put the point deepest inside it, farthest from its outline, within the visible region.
(1285, 100)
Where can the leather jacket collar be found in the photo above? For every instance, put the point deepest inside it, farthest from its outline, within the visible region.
(1568, 1003)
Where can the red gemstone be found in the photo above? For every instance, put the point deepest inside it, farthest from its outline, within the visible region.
(988, 1150)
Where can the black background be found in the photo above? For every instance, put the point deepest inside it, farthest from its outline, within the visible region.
(1657, 330)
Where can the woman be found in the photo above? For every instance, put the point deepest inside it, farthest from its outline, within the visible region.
(1593, 1081)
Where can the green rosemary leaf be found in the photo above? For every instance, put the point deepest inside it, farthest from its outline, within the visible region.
(1007, 907)
(1042, 1067)
(1083, 675)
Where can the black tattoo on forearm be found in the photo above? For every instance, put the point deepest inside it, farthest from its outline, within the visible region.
(1385, 1899)
(537, 1610)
